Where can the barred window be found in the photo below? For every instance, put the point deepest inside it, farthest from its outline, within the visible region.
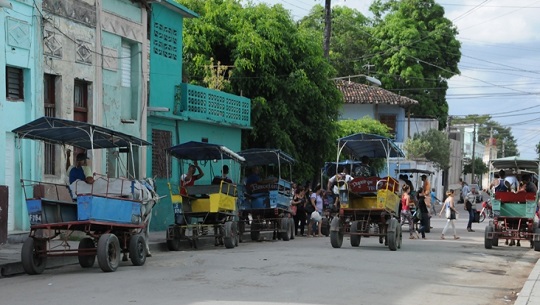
(14, 84)
(49, 101)
(161, 140)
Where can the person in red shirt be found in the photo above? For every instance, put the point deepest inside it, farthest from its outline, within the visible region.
(189, 178)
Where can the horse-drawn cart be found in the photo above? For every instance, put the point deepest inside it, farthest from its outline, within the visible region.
(370, 206)
(113, 213)
(205, 210)
(514, 213)
(265, 204)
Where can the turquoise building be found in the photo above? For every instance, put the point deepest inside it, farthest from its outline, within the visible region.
(180, 112)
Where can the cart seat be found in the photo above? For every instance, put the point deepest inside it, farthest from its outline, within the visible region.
(510, 197)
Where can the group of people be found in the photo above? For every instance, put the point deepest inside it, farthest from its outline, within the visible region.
(420, 202)
(307, 208)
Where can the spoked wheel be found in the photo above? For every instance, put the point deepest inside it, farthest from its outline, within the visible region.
(108, 252)
(336, 233)
(88, 260)
(393, 235)
(482, 217)
(355, 239)
(173, 238)
(488, 241)
(137, 250)
(230, 237)
(32, 258)
(285, 229)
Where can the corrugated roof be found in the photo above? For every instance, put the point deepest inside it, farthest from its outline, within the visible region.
(355, 93)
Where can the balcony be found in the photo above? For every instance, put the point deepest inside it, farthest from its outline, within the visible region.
(212, 106)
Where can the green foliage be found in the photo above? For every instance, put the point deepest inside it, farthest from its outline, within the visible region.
(417, 148)
(349, 41)
(415, 52)
(279, 66)
(480, 167)
(440, 152)
(487, 127)
(363, 125)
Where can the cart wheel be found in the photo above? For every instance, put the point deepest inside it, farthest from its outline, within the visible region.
(325, 227)
(355, 239)
(400, 236)
(31, 260)
(230, 234)
(536, 240)
(495, 240)
(87, 261)
(255, 230)
(137, 250)
(285, 228)
(336, 233)
(393, 234)
(241, 229)
(488, 242)
(108, 252)
(293, 229)
(173, 242)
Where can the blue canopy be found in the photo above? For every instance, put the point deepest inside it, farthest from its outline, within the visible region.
(203, 151)
(265, 156)
(74, 133)
(370, 145)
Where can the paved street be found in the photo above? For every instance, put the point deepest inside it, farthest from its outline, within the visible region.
(303, 271)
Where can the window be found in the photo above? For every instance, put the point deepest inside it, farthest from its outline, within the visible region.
(14, 84)
(49, 102)
(390, 121)
(126, 65)
(80, 101)
(161, 140)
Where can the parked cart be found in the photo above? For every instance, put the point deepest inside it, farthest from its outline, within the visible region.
(514, 213)
(113, 213)
(370, 205)
(265, 205)
(204, 210)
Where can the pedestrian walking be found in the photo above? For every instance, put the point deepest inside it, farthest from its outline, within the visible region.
(451, 213)
(406, 205)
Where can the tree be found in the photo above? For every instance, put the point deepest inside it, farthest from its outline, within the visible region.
(349, 40)
(363, 125)
(415, 51)
(279, 66)
(440, 147)
(506, 144)
(480, 167)
(417, 148)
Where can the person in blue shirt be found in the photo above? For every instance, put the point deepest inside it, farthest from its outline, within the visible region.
(434, 200)
(81, 171)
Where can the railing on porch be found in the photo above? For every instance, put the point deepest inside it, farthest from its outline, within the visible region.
(210, 105)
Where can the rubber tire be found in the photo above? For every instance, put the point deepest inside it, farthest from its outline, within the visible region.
(536, 243)
(230, 234)
(137, 250)
(355, 239)
(325, 228)
(336, 233)
(495, 240)
(32, 264)
(400, 236)
(393, 234)
(108, 252)
(255, 232)
(87, 261)
(174, 244)
(285, 229)
(488, 243)
(293, 230)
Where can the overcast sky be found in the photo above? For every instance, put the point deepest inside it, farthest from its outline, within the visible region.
(500, 63)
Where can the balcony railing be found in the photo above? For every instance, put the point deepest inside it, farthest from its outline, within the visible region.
(213, 106)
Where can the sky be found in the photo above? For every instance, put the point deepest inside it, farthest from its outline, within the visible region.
(500, 60)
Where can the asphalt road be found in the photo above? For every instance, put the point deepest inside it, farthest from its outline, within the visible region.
(301, 271)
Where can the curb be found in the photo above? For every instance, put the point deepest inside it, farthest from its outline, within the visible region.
(528, 293)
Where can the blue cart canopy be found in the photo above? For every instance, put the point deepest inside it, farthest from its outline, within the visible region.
(370, 145)
(74, 133)
(265, 156)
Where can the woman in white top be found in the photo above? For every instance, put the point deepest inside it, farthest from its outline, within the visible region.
(451, 213)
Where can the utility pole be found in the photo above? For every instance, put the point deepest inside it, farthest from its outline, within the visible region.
(327, 27)
(473, 148)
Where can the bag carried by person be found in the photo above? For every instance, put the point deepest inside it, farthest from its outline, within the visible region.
(448, 213)
(316, 216)
(309, 207)
(453, 214)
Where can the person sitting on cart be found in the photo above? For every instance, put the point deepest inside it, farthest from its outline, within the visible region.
(81, 170)
(224, 176)
(499, 184)
(530, 187)
(338, 184)
(364, 169)
(189, 178)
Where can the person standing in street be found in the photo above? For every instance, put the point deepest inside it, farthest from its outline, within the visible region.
(426, 186)
(406, 205)
(470, 205)
(464, 190)
(451, 213)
